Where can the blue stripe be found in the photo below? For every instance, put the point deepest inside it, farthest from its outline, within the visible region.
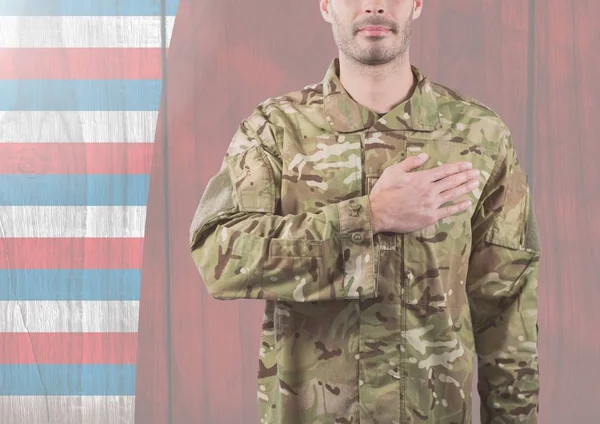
(70, 284)
(77, 95)
(86, 7)
(74, 190)
(67, 380)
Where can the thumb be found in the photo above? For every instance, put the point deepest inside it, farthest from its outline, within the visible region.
(412, 162)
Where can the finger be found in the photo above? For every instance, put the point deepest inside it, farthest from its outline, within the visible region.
(446, 170)
(412, 162)
(455, 180)
(447, 211)
(453, 193)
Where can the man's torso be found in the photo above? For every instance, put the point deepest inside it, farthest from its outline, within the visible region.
(406, 356)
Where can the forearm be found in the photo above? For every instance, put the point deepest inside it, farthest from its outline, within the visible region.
(504, 307)
(327, 254)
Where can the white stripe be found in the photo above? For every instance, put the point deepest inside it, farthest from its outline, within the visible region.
(78, 127)
(67, 409)
(72, 221)
(83, 31)
(18, 316)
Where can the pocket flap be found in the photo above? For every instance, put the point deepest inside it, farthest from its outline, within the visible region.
(253, 181)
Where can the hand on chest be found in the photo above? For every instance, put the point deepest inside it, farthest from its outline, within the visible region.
(331, 168)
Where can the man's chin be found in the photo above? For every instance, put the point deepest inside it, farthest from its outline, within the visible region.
(374, 60)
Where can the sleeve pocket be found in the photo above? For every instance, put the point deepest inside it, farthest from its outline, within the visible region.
(253, 181)
(508, 229)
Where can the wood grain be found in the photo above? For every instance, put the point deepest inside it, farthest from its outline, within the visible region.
(565, 149)
(535, 63)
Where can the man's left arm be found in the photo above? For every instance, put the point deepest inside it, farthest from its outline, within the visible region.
(502, 284)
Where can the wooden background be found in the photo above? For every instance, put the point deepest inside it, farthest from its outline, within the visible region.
(535, 62)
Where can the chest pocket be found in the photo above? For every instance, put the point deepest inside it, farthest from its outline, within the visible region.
(320, 170)
(437, 254)
(442, 153)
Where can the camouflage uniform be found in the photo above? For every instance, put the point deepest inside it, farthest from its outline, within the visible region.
(375, 328)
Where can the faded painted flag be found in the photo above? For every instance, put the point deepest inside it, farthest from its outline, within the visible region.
(80, 89)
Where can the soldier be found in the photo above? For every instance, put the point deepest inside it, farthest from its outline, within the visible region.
(387, 224)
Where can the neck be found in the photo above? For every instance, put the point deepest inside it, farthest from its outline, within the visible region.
(379, 88)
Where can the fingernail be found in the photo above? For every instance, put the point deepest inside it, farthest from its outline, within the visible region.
(423, 156)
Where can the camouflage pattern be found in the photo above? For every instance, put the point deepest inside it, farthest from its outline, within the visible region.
(375, 328)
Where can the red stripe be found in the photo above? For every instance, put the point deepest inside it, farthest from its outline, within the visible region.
(67, 253)
(76, 158)
(68, 348)
(101, 63)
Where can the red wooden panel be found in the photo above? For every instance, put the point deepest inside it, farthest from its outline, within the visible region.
(152, 374)
(190, 374)
(565, 145)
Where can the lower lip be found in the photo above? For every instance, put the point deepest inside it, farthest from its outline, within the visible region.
(375, 31)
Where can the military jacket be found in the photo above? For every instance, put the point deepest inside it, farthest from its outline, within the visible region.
(371, 328)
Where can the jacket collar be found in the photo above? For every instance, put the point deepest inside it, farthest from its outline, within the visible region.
(344, 115)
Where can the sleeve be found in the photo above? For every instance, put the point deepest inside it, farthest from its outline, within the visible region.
(244, 248)
(502, 284)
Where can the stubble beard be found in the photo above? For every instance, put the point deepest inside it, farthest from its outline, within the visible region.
(376, 54)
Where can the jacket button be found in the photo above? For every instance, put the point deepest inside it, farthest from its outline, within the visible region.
(358, 237)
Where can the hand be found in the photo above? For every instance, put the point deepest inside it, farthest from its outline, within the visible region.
(403, 201)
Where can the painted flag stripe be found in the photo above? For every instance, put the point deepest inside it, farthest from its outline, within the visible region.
(70, 284)
(65, 316)
(74, 190)
(71, 253)
(76, 95)
(67, 380)
(68, 348)
(72, 221)
(86, 7)
(83, 31)
(83, 126)
(75, 158)
(67, 409)
(108, 64)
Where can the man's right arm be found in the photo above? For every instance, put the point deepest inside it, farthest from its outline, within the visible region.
(243, 248)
